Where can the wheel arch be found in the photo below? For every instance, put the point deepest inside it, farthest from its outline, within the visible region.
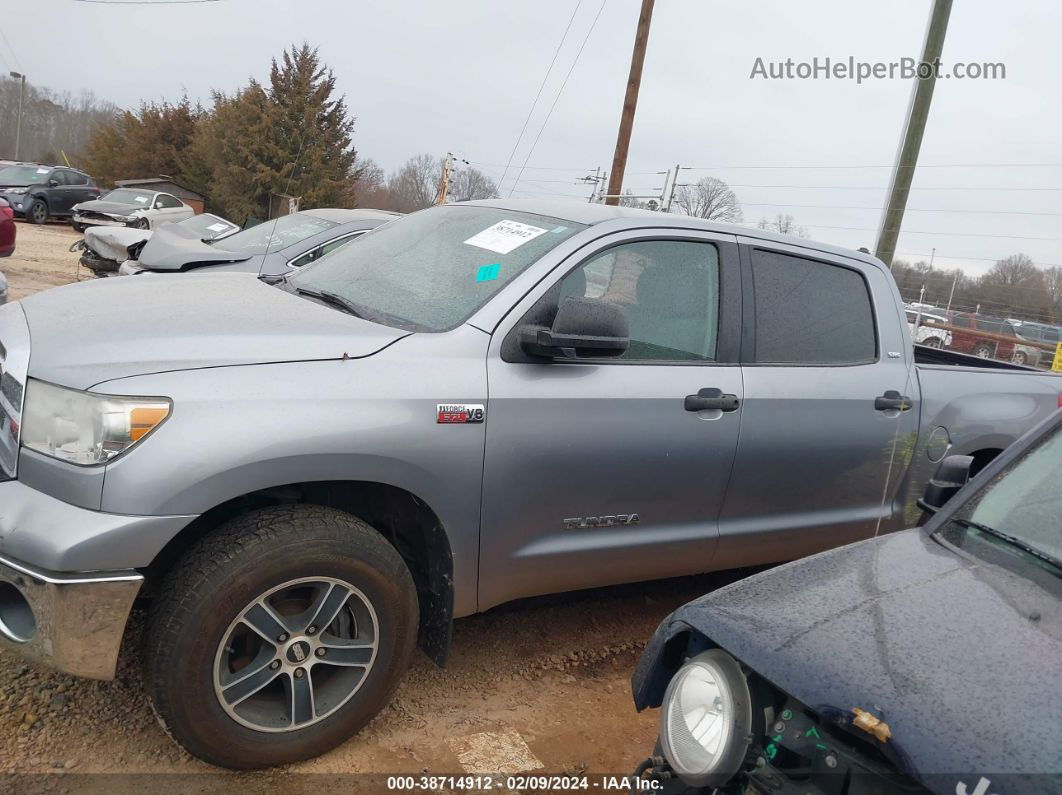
(408, 523)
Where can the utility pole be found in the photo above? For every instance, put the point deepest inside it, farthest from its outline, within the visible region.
(671, 193)
(914, 129)
(630, 103)
(21, 96)
(596, 180)
(444, 179)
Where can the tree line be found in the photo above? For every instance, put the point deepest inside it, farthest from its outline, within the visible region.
(1014, 287)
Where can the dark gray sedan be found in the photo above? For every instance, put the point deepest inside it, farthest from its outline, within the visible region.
(271, 248)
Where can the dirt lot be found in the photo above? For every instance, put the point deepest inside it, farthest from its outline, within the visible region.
(543, 682)
(41, 259)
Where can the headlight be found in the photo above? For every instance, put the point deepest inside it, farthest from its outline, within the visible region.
(706, 719)
(83, 427)
(16, 191)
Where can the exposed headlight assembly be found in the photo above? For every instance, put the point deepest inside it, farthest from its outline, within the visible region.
(706, 719)
(84, 427)
(16, 191)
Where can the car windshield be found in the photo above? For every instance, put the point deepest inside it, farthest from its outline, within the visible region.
(1025, 501)
(208, 226)
(432, 270)
(139, 198)
(275, 235)
(24, 175)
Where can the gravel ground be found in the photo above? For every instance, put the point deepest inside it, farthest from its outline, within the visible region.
(552, 672)
(42, 259)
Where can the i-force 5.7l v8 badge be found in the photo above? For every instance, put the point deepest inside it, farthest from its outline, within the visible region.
(460, 412)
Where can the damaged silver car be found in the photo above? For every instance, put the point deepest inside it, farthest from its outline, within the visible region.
(105, 248)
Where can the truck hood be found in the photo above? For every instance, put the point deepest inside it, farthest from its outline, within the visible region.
(175, 248)
(110, 208)
(941, 647)
(94, 331)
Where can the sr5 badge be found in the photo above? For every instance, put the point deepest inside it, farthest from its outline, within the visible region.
(450, 413)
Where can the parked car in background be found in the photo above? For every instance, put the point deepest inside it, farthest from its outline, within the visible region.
(472, 404)
(928, 332)
(1040, 333)
(926, 661)
(142, 209)
(983, 347)
(105, 248)
(3, 289)
(7, 229)
(39, 192)
(271, 248)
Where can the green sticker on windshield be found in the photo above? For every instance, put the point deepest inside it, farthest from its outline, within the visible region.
(488, 273)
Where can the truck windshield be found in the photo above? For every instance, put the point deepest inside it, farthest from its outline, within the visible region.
(432, 270)
(1023, 505)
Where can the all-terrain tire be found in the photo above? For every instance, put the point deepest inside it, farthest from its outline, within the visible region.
(209, 587)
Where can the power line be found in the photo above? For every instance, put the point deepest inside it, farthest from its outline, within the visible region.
(980, 259)
(14, 57)
(879, 187)
(925, 232)
(146, 2)
(560, 91)
(927, 165)
(909, 209)
(541, 86)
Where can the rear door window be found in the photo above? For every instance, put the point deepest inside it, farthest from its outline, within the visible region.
(810, 312)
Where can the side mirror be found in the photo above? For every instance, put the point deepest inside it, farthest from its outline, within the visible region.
(583, 328)
(950, 476)
(53, 183)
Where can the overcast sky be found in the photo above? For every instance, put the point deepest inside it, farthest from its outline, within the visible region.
(460, 75)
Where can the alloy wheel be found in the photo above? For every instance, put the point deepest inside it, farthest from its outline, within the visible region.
(296, 654)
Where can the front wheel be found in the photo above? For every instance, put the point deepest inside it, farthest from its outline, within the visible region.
(142, 223)
(1020, 357)
(38, 212)
(934, 342)
(279, 636)
(984, 351)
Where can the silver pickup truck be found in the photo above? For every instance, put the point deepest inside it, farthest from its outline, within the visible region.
(305, 477)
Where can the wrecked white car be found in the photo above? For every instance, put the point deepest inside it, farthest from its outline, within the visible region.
(141, 209)
(105, 248)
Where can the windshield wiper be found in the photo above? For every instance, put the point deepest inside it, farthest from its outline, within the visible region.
(1013, 540)
(332, 299)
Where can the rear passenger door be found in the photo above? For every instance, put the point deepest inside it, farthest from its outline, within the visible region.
(824, 444)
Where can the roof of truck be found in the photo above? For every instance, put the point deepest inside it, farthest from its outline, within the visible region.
(586, 213)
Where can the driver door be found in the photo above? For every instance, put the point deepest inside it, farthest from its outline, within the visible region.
(595, 472)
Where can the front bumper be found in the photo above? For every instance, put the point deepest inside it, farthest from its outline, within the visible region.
(98, 219)
(70, 622)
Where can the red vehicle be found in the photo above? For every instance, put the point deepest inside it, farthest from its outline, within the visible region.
(985, 347)
(7, 229)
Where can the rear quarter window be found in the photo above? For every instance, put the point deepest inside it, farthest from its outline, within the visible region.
(810, 312)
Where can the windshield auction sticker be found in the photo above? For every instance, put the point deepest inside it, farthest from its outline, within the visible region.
(504, 236)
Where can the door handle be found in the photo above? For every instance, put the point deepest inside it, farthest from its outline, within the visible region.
(711, 398)
(892, 400)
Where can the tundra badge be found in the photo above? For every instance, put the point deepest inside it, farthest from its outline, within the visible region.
(460, 412)
(584, 523)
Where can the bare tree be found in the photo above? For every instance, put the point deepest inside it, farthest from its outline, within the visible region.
(785, 224)
(370, 185)
(709, 198)
(468, 184)
(415, 185)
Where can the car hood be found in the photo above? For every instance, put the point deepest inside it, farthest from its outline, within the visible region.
(111, 208)
(175, 248)
(942, 647)
(93, 331)
(113, 242)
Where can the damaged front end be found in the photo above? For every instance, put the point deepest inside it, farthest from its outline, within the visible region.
(105, 249)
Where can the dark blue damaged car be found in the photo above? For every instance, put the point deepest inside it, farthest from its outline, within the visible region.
(928, 660)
